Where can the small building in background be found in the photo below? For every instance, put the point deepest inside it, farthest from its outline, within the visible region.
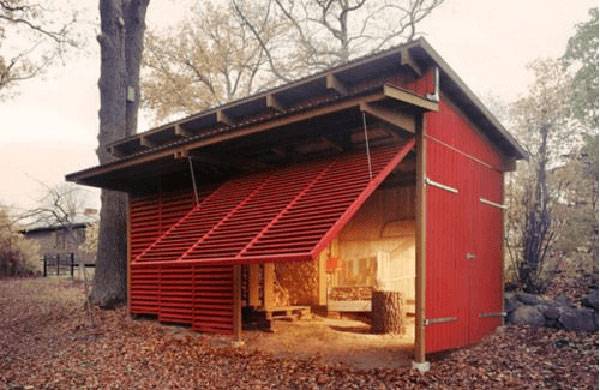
(56, 238)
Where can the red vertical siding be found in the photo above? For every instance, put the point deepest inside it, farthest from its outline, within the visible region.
(458, 289)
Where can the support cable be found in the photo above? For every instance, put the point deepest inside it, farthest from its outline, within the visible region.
(193, 179)
(368, 150)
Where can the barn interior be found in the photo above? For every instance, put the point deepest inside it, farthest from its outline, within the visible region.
(373, 252)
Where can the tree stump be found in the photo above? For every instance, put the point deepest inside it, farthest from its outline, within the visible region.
(387, 313)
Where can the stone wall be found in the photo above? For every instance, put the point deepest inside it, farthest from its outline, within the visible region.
(559, 313)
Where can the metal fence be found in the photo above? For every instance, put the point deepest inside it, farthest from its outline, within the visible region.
(57, 264)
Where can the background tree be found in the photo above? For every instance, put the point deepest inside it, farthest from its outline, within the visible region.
(323, 33)
(541, 121)
(223, 53)
(581, 56)
(18, 257)
(121, 46)
(210, 59)
(42, 33)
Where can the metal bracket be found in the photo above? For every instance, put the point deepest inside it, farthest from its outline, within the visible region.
(440, 320)
(434, 183)
(494, 204)
(491, 315)
(435, 96)
(470, 256)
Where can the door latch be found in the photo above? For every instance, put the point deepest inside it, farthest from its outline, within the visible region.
(470, 256)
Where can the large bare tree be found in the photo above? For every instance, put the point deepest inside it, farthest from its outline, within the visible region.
(32, 36)
(323, 33)
(226, 51)
(121, 47)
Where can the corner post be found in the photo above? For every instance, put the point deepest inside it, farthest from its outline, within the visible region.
(420, 362)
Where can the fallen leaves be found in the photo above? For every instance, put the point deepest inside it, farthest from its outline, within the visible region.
(46, 343)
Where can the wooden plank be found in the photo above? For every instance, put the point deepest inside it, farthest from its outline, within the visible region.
(349, 306)
(396, 118)
(420, 247)
(237, 302)
(409, 98)
(268, 286)
(253, 285)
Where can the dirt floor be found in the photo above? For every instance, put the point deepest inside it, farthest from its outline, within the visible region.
(334, 340)
(48, 342)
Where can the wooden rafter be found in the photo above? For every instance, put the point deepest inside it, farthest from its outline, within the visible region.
(406, 59)
(407, 97)
(333, 83)
(396, 118)
(272, 102)
(224, 119)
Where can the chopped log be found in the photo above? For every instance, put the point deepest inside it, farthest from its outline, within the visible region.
(387, 315)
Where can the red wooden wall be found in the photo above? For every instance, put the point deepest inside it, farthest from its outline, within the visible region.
(461, 293)
(192, 294)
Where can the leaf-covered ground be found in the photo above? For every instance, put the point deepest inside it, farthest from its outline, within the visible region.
(45, 342)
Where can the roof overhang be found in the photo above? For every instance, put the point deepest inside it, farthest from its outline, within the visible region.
(358, 85)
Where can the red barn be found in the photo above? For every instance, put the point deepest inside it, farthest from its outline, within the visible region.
(385, 173)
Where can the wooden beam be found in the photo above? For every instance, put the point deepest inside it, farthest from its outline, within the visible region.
(332, 144)
(116, 151)
(406, 59)
(237, 303)
(224, 119)
(180, 154)
(420, 240)
(410, 98)
(268, 285)
(396, 118)
(253, 285)
(333, 83)
(272, 102)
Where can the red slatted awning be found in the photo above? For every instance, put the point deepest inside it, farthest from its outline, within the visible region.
(290, 214)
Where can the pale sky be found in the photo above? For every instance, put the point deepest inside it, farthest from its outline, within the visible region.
(50, 128)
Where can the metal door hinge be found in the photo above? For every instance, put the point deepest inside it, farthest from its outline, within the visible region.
(493, 204)
(440, 320)
(434, 183)
(490, 315)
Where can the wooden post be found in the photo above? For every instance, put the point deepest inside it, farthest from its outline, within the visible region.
(253, 285)
(45, 269)
(420, 247)
(268, 285)
(57, 264)
(237, 303)
(322, 301)
(72, 265)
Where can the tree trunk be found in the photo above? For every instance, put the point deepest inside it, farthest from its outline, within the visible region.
(118, 119)
(387, 313)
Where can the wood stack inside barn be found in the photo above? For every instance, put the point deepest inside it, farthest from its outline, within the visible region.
(312, 197)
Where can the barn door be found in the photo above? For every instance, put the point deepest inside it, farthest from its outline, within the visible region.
(485, 264)
(464, 247)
